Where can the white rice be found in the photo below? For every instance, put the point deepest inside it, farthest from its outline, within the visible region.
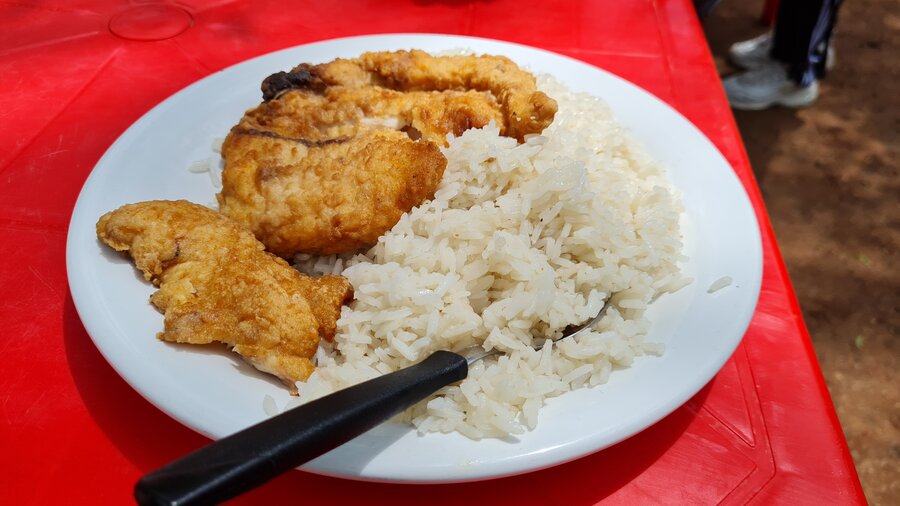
(212, 166)
(200, 166)
(519, 241)
(719, 284)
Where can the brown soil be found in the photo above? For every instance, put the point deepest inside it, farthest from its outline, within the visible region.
(830, 176)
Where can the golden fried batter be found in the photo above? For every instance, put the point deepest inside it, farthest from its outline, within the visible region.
(337, 152)
(216, 283)
(296, 197)
(524, 110)
(342, 112)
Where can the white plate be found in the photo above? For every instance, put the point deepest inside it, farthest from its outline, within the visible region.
(214, 393)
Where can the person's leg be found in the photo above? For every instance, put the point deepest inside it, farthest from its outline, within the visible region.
(789, 74)
(801, 37)
(704, 7)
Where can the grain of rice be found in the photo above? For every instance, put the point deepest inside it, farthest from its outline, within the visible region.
(215, 176)
(200, 166)
(719, 284)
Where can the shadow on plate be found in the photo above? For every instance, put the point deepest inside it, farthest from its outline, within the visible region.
(118, 257)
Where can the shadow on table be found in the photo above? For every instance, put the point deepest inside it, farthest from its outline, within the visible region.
(149, 439)
(144, 434)
(763, 133)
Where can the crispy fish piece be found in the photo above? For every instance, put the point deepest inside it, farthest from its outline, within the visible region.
(337, 152)
(342, 112)
(523, 108)
(297, 198)
(520, 108)
(217, 284)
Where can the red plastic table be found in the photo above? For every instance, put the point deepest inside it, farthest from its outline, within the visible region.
(75, 74)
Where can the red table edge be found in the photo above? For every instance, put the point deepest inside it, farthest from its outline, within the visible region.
(751, 186)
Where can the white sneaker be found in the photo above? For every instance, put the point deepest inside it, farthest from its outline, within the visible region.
(753, 53)
(767, 86)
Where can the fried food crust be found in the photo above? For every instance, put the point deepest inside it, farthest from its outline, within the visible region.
(524, 109)
(303, 199)
(337, 152)
(217, 284)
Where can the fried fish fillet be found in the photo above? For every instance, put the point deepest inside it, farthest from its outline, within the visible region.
(524, 110)
(217, 284)
(326, 198)
(337, 152)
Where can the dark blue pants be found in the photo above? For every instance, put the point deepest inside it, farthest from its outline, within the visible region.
(801, 37)
(802, 34)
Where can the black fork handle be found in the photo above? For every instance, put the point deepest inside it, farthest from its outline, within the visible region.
(253, 456)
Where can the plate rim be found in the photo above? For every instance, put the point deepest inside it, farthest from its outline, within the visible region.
(80, 297)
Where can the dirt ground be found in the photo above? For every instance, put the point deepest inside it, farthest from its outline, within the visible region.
(830, 176)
